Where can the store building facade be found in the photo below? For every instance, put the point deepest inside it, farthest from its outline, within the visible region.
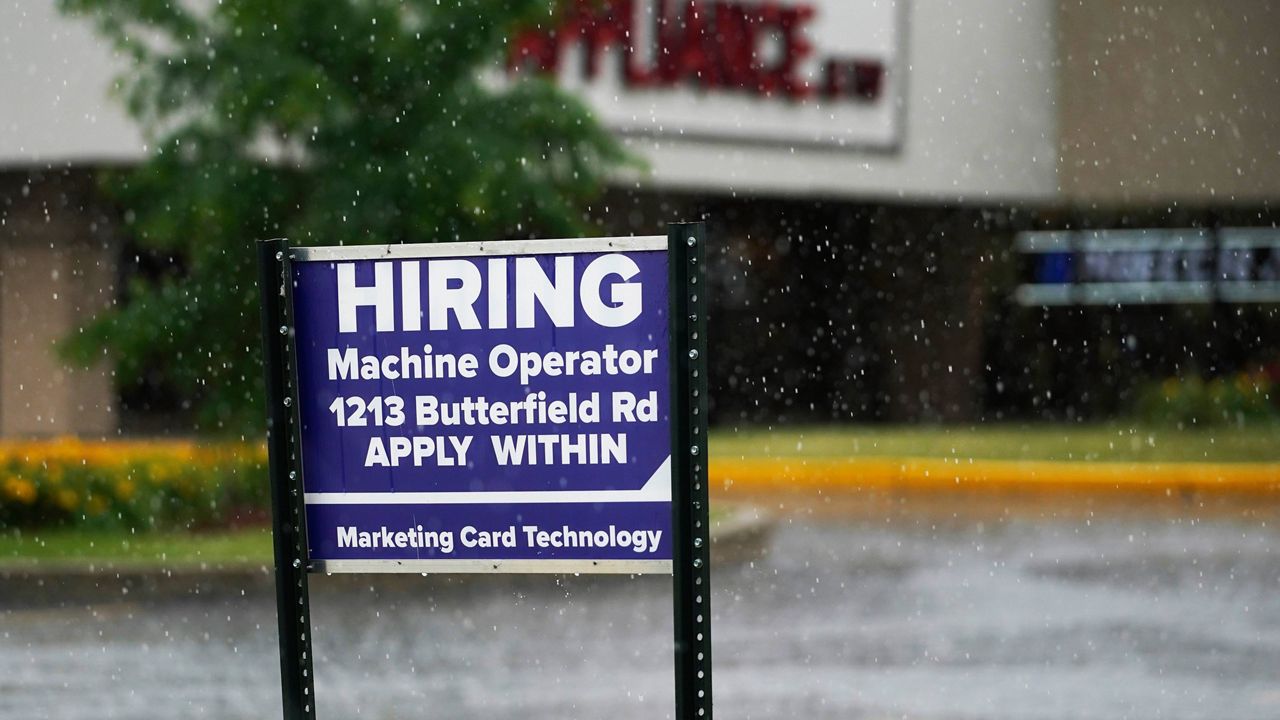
(865, 167)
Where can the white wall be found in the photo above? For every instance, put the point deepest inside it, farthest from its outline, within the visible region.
(980, 120)
(55, 78)
(979, 117)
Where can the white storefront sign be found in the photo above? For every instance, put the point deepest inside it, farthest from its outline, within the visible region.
(820, 71)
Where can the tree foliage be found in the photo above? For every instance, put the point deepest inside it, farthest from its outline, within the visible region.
(343, 121)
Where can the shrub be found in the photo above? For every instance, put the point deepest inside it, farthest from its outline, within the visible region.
(1246, 398)
(143, 485)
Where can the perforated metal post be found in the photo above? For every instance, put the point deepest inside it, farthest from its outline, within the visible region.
(691, 550)
(293, 611)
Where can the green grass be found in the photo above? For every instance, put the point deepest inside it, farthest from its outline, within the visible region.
(82, 548)
(1102, 443)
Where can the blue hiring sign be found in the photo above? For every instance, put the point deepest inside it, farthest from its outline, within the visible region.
(480, 407)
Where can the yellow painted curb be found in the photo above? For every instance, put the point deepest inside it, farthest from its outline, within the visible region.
(931, 474)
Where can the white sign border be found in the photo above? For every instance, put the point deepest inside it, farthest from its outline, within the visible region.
(399, 251)
(548, 567)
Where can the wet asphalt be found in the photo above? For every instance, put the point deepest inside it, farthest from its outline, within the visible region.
(1027, 619)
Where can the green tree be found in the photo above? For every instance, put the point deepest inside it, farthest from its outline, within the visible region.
(343, 121)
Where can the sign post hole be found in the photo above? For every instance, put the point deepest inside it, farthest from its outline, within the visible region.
(512, 407)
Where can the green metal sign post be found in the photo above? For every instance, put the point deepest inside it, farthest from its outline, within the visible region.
(293, 611)
(691, 556)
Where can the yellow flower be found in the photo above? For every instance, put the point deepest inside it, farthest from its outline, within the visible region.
(66, 499)
(20, 490)
(96, 505)
(124, 488)
(1245, 384)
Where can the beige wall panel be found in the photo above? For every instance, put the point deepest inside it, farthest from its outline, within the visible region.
(56, 269)
(1169, 102)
